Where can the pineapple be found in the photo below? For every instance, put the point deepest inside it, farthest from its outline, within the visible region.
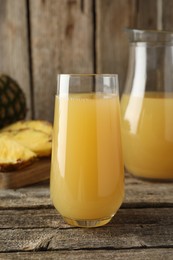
(33, 134)
(43, 126)
(23, 142)
(12, 101)
(37, 141)
(13, 155)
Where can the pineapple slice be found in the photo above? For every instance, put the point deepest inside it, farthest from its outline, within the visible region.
(37, 141)
(40, 125)
(13, 155)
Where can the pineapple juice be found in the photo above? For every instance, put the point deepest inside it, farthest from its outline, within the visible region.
(87, 179)
(147, 133)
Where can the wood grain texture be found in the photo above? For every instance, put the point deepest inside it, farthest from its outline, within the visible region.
(138, 194)
(137, 230)
(167, 17)
(112, 17)
(50, 218)
(146, 14)
(150, 233)
(143, 193)
(137, 254)
(14, 59)
(62, 42)
(36, 172)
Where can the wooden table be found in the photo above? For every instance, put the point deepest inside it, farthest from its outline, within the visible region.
(30, 228)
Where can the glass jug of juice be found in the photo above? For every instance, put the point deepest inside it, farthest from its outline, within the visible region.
(147, 105)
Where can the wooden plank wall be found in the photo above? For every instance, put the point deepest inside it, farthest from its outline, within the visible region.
(40, 38)
(61, 42)
(14, 58)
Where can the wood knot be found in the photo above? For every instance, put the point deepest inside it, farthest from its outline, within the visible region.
(69, 30)
(71, 2)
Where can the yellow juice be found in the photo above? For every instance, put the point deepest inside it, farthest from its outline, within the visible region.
(147, 133)
(87, 166)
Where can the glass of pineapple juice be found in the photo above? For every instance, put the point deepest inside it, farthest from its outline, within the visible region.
(87, 175)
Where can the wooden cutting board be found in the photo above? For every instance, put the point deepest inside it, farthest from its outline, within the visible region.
(36, 172)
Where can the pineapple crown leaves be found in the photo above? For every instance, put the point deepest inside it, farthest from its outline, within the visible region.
(12, 101)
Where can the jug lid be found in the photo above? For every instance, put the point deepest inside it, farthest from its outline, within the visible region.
(137, 35)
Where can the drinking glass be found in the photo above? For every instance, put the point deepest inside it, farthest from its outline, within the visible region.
(87, 176)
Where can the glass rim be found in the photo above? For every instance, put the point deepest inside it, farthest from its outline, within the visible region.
(147, 35)
(71, 83)
(135, 30)
(88, 74)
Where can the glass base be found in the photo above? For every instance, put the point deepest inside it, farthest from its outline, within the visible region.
(146, 177)
(151, 179)
(87, 223)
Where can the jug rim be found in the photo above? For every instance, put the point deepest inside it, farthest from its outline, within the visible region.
(147, 35)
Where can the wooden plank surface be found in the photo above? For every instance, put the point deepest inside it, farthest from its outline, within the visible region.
(14, 59)
(50, 218)
(62, 42)
(140, 228)
(137, 254)
(139, 193)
